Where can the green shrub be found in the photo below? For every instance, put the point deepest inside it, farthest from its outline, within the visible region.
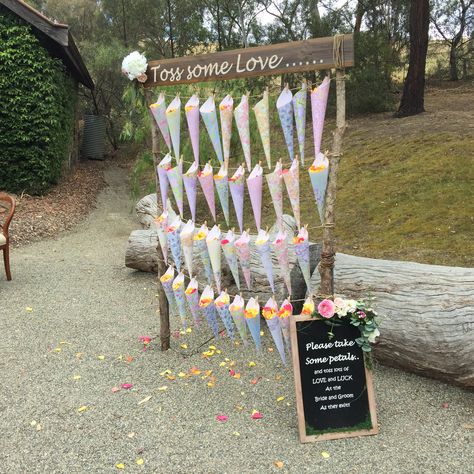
(37, 110)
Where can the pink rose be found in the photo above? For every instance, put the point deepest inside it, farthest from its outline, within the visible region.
(326, 309)
(361, 314)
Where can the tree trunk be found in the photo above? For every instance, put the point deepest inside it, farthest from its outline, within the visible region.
(360, 11)
(453, 70)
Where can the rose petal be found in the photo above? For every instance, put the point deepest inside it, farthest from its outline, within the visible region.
(115, 389)
(222, 418)
(256, 415)
(127, 386)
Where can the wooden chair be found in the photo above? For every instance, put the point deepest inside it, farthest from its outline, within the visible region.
(4, 239)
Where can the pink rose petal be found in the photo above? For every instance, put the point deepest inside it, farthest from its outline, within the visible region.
(115, 389)
(222, 418)
(127, 386)
(257, 415)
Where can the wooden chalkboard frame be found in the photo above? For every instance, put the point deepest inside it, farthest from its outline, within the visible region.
(305, 438)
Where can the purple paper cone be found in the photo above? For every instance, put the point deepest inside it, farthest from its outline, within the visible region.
(158, 110)
(301, 242)
(162, 169)
(299, 109)
(175, 178)
(252, 317)
(209, 116)
(192, 297)
(255, 186)
(161, 225)
(285, 111)
(187, 239)
(230, 254)
(190, 186)
(280, 244)
(318, 173)
(166, 281)
(284, 315)
(192, 117)
(226, 108)
(222, 187)
(275, 185)
(178, 290)
(262, 244)
(174, 243)
(200, 242)
(241, 114)
(213, 242)
(236, 310)
(319, 100)
(207, 184)
(222, 306)
(206, 303)
(242, 245)
(236, 186)
(270, 313)
(292, 183)
(173, 117)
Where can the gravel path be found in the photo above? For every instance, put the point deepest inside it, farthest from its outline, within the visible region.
(69, 324)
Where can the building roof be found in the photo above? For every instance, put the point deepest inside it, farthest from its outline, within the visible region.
(55, 37)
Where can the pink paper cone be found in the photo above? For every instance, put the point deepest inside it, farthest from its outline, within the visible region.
(230, 254)
(236, 186)
(319, 100)
(206, 303)
(226, 112)
(213, 242)
(318, 173)
(262, 115)
(252, 317)
(178, 290)
(192, 297)
(280, 244)
(161, 225)
(241, 114)
(209, 116)
(301, 242)
(254, 184)
(285, 111)
(242, 245)
(236, 310)
(222, 187)
(187, 239)
(262, 244)
(173, 116)
(192, 116)
(175, 178)
(162, 169)
(222, 305)
(158, 110)
(270, 313)
(190, 186)
(274, 181)
(292, 183)
(284, 315)
(299, 109)
(207, 184)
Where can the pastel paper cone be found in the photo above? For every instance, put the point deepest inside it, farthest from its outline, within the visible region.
(319, 100)
(191, 110)
(236, 186)
(173, 117)
(285, 111)
(230, 254)
(213, 241)
(308, 307)
(280, 245)
(301, 242)
(158, 110)
(262, 244)
(318, 173)
(192, 297)
(175, 178)
(241, 114)
(236, 310)
(284, 315)
(187, 239)
(178, 290)
(222, 306)
(207, 185)
(209, 116)
(292, 183)
(252, 318)
(255, 187)
(167, 283)
(162, 169)
(200, 242)
(275, 185)
(226, 112)
(222, 187)
(206, 303)
(299, 109)
(161, 225)
(270, 313)
(190, 186)
(262, 115)
(174, 243)
(242, 246)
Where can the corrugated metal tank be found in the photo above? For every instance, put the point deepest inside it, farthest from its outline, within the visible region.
(93, 140)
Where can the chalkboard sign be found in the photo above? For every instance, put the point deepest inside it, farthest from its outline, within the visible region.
(334, 391)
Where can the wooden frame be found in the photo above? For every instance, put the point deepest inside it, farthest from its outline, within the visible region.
(305, 438)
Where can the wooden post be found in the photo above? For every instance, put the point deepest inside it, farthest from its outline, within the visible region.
(326, 265)
(162, 301)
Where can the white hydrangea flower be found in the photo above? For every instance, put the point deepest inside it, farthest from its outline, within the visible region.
(341, 306)
(375, 333)
(351, 306)
(134, 65)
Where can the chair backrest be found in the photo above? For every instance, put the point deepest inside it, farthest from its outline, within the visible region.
(10, 207)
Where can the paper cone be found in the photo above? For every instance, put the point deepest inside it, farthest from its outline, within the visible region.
(166, 281)
(222, 187)
(236, 310)
(187, 238)
(189, 181)
(200, 242)
(274, 181)
(236, 186)
(292, 183)
(270, 313)
(173, 117)
(230, 253)
(299, 109)
(222, 306)
(158, 110)
(161, 226)
(255, 185)
(209, 116)
(178, 290)
(226, 112)
(252, 317)
(174, 243)
(175, 178)
(207, 185)
(192, 117)
(285, 111)
(206, 303)
(242, 246)
(192, 297)
(319, 100)
(262, 114)
(284, 315)
(280, 244)
(308, 307)
(162, 169)
(262, 244)
(213, 241)
(318, 173)
(241, 114)
(301, 242)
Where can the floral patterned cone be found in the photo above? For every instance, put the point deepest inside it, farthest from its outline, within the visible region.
(161, 225)
(158, 110)
(255, 186)
(226, 112)
(190, 186)
(191, 110)
(207, 185)
(262, 244)
(167, 283)
(209, 116)
(308, 307)
(222, 306)
(175, 178)
(213, 242)
(230, 254)
(299, 109)
(292, 182)
(162, 169)
(200, 241)
(280, 244)
(241, 114)
(301, 242)
(178, 290)
(318, 173)
(192, 297)
(206, 303)
(174, 243)
(236, 310)
(285, 111)
(319, 100)
(274, 181)
(236, 186)
(222, 187)
(187, 238)
(173, 117)
(262, 114)
(252, 317)
(270, 313)
(284, 315)
(242, 246)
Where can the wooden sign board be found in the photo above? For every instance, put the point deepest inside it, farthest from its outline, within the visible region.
(283, 58)
(334, 391)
